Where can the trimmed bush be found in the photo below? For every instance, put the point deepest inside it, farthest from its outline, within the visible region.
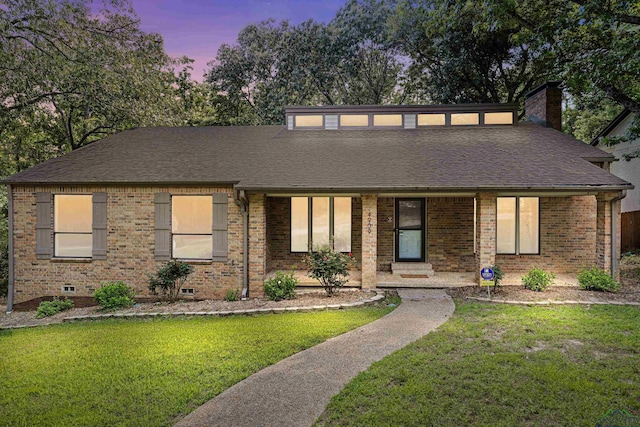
(329, 267)
(280, 287)
(232, 295)
(498, 275)
(596, 279)
(170, 278)
(537, 279)
(49, 308)
(114, 295)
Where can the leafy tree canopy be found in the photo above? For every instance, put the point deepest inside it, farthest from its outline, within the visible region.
(72, 72)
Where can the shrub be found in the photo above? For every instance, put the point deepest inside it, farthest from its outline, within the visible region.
(282, 286)
(498, 275)
(170, 278)
(49, 308)
(232, 295)
(114, 295)
(537, 279)
(596, 279)
(331, 268)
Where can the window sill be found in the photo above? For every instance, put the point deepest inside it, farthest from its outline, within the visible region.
(195, 261)
(72, 260)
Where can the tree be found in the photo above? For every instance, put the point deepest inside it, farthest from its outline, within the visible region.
(457, 56)
(594, 45)
(70, 74)
(274, 65)
(91, 74)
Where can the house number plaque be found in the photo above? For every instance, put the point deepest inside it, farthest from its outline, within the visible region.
(369, 223)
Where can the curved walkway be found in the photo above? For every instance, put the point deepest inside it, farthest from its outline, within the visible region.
(295, 391)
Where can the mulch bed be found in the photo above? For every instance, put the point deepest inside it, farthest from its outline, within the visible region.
(303, 299)
(630, 293)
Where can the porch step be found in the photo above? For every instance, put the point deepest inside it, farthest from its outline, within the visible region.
(412, 268)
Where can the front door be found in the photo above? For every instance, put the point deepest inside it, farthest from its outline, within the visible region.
(410, 230)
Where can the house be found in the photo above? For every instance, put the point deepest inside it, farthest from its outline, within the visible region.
(629, 170)
(438, 191)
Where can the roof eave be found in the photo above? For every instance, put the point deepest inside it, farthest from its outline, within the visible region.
(611, 126)
(559, 188)
(122, 183)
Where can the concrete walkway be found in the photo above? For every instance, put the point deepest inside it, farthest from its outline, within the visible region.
(295, 391)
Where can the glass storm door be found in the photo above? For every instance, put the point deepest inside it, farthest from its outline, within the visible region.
(410, 230)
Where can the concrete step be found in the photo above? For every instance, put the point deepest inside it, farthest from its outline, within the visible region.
(429, 273)
(411, 268)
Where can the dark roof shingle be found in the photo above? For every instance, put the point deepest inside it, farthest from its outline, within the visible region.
(525, 156)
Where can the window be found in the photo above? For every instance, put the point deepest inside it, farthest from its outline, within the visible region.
(465, 119)
(518, 225)
(360, 120)
(498, 118)
(191, 227)
(387, 119)
(73, 217)
(315, 219)
(431, 120)
(309, 121)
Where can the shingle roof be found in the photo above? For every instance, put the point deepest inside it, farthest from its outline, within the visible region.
(525, 156)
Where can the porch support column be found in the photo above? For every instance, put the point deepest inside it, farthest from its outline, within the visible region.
(369, 240)
(607, 247)
(485, 231)
(257, 243)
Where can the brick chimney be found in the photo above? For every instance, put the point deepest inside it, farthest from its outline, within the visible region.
(543, 105)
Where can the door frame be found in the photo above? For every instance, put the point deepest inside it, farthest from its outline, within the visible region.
(397, 229)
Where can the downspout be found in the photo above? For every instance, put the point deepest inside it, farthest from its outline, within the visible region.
(614, 233)
(10, 236)
(241, 200)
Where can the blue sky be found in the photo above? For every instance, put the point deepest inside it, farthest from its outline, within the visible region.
(197, 28)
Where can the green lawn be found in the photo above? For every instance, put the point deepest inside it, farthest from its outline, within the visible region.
(503, 365)
(147, 372)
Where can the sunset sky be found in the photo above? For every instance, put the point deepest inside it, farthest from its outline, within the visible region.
(197, 28)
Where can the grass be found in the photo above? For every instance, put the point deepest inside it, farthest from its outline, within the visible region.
(503, 365)
(147, 372)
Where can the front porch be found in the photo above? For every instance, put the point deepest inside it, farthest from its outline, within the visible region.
(386, 279)
(453, 234)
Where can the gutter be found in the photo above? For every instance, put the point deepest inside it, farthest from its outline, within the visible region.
(241, 200)
(614, 233)
(10, 237)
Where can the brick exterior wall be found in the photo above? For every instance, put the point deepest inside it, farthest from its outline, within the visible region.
(567, 237)
(279, 234)
(450, 234)
(369, 240)
(258, 248)
(386, 233)
(574, 232)
(485, 231)
(546, 105)
(604, 238)
(130, 245)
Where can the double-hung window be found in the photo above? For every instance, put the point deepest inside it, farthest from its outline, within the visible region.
(518, 225)
(72, 228)
(318, 221)
(191, 227)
